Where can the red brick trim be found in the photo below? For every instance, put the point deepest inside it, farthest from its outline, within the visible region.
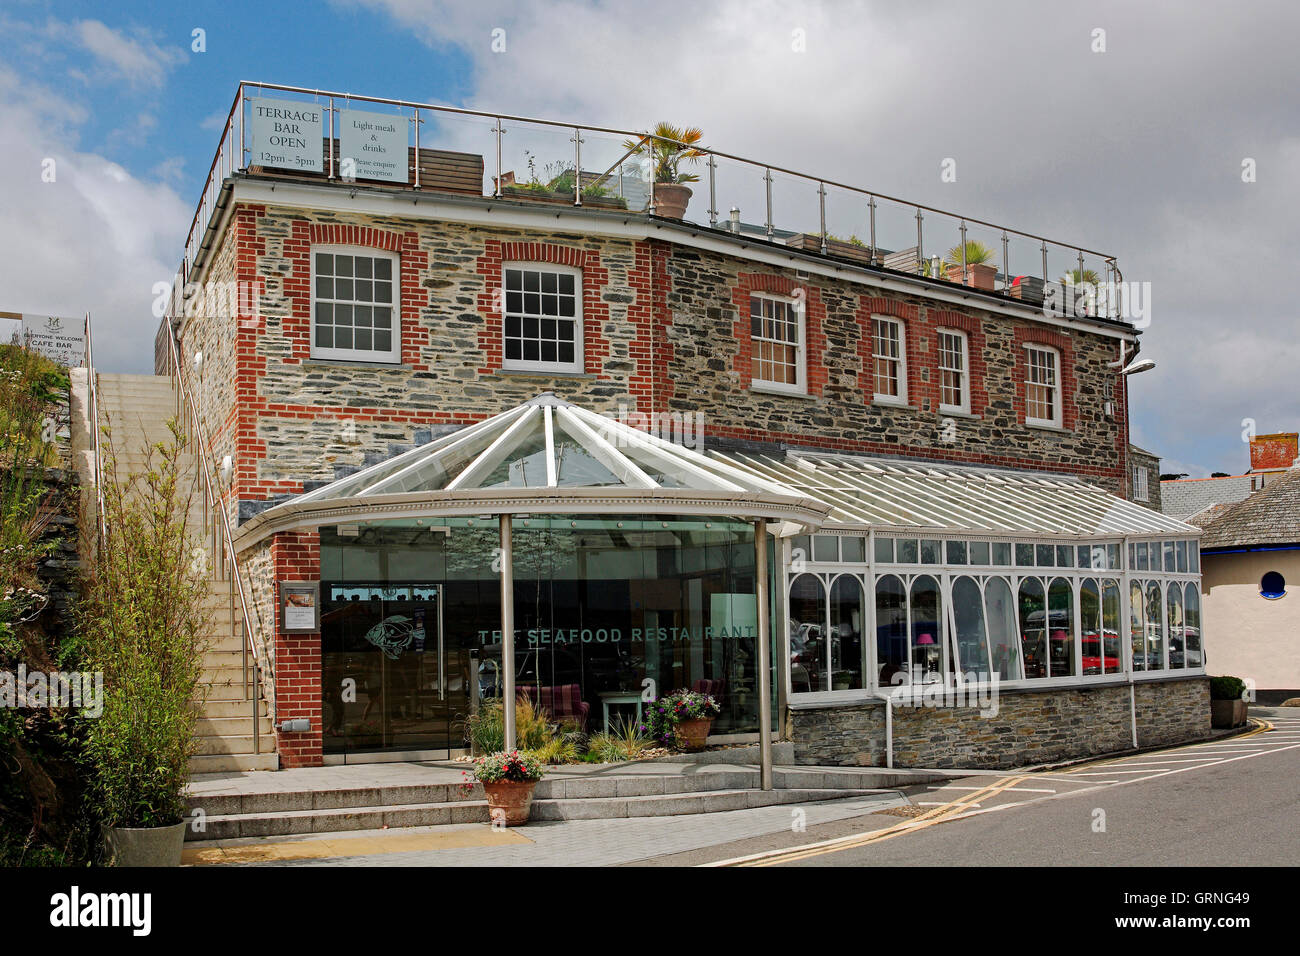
(339, 235)
(814, 309)
(295, 556)
(976, 368)
(490, 302)
(1033, 335)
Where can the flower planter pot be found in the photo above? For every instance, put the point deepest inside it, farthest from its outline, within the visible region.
(694, 733)
(834, 247)
(978, 276)
(1227, 713)
(509, 801)
(144, 846)
(671, 200)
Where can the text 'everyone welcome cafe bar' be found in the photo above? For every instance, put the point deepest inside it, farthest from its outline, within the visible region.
(493, 408)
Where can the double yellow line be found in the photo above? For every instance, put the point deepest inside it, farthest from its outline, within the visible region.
(931, 817)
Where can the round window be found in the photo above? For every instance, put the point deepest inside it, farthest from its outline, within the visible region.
(1272, 586)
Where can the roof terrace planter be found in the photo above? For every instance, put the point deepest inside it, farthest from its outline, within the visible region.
(837, 248)
(535, 194)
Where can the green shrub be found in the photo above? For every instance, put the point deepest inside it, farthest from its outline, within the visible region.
(557, 750)
(626, 742)
(1227, 688)
(486, 730)
(144, 627)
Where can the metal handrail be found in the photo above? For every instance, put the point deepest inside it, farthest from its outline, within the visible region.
(225, 161)
(223, 531)
(101, 523)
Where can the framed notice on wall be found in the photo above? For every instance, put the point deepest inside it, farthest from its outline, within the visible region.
(299, 607)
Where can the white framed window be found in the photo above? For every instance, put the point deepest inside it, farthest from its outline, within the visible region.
(777, 343)
(1042, 386)
(355, 308)
(1140, 491)
(954, 371)
(542, 325)
(889, 363)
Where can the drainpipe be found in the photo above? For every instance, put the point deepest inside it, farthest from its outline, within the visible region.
(1126, 611)
(764, 656)
(889, 726)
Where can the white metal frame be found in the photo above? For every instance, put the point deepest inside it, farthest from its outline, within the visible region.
(394, 353)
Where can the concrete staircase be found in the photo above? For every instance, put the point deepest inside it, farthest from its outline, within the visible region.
(137, 407)
(326, 801)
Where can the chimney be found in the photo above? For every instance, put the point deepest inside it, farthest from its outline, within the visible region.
(1274, 452)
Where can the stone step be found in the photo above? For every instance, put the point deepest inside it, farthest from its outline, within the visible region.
(231, 726)
(676, 804)
(473, 809)
(232, 744)
(214, 709)
(221, 676)
(212, 693)
(227, 763)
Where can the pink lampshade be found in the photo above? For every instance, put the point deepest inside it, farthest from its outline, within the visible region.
(925, 639)
(1060, 636)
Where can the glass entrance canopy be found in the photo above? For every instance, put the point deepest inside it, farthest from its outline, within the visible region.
(546, 456)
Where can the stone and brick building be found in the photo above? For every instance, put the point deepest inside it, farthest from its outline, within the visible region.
(940, 469)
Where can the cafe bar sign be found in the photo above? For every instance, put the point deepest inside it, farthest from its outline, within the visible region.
(56, 337)
(373, 146)
(286, 135)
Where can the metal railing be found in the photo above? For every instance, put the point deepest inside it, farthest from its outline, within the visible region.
(813, 213)
(221, 544)
(97, 450)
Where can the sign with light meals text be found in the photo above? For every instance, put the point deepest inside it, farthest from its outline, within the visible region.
(373, 146)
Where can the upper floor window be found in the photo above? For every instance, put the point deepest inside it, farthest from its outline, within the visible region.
(954, 380)
(1042, 386)
(543, 318)
(1140, 492)
(777, 346)
(889, 366)
(355, 305)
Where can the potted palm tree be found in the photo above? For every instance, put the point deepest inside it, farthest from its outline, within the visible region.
(979, 273)
(668, 146)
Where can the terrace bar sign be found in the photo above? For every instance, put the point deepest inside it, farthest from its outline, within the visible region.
(373, 146)
(286, 135)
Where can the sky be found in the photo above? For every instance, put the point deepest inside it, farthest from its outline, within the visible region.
(1166, 134)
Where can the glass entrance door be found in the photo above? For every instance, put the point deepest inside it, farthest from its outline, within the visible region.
(385, 680)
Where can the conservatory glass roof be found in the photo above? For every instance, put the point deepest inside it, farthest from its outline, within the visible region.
(548, 456)
(907, 495)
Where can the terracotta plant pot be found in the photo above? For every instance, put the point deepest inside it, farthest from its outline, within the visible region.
(1227, 713)
(694, 733)
(978, 276)
(144, 846)
(671, 200)
(509, 801)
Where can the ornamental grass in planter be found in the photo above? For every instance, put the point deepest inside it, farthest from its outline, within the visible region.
(682, 719)
(508, 781)
(144, 627)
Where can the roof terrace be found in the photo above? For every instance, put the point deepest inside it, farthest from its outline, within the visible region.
(271, 130)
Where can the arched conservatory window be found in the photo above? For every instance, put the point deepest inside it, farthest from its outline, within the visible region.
(808, 659)
(1155, 628)
(969, 632)
(1004, 642)
(1137, 626)
(1091, 650)
(1177, 627)
(1060, 625)
(891, 631)
(1033, 627)
(848, 649)
(1112, 649)
(928, 658)
(1195, 656)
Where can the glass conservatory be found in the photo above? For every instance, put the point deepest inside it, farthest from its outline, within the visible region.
(922, 574)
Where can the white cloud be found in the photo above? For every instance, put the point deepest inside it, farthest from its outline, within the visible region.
(94, 240)
(138, 60)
